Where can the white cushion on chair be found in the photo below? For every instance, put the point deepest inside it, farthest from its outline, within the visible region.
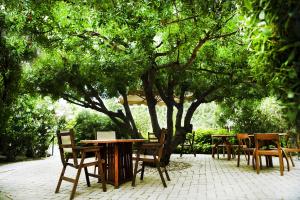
(106, 135)
(66, 140)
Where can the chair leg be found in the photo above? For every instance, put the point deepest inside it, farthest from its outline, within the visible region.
(167, 174)
(238, 157)
(160, 173)
(135, 169)
(290, 155)
(257, 160)
(87, 177)
(260, 162)
(281, 164)
(60, 178)
(192, 150)
(96, 158)
(142, 172)
(102, 174)
(181, 150)
(285, 156)
(248, 160)
(76, 181)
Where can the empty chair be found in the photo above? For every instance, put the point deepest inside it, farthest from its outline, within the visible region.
(69, 152)
(263, 140)
(292, 146)
(188, 143)
(244, 145)
(157, 150)
(104, 135)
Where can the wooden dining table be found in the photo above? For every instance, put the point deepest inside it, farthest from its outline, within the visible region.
(118, 156)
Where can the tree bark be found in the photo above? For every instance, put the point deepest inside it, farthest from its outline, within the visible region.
(148, 80)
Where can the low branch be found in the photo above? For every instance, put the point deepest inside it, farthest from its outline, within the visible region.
(181, 20)
(96, 34)
(222, 35)
(213, 72)
(200, 43)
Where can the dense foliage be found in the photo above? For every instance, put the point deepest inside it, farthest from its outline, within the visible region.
(87, 123)
(274, 38)
(253, 116)
(29, 129)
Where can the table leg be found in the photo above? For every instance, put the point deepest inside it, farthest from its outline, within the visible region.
(116, 158)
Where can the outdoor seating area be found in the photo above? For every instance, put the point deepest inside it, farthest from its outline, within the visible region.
(199, 177)
(254, 146)
(155, 100)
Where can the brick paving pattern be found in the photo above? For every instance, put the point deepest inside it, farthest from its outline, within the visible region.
(200, 177)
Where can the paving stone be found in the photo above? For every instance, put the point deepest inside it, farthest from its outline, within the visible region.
(192, 178)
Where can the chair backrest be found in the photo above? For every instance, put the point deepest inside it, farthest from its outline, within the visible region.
(292, 140)
(66, 144)
(152, 137)
(243, 139)
(259, 137)
(161, 141)
(106, 135)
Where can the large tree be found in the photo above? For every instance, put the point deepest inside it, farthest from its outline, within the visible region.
(177, 50)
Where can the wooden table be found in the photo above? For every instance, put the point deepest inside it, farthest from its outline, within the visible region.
(222, 141)
(118, 157)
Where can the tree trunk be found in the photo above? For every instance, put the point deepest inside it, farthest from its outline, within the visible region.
(147, 79)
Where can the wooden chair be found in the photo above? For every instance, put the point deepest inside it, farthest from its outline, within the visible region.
(260, 141)
(292, 146)
(157, 150)
(244, 145)
(68, 150)
(188, 143)
(104, 135)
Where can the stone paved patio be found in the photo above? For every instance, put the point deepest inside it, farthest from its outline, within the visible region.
(192, 177)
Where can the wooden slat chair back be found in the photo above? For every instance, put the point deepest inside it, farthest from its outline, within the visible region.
(244, 145)
(66, 145)
(152, 137)
(68, 150)
(155, 158)
(260, 140)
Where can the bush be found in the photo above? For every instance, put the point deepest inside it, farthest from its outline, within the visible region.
(29, 129)
(253, 116)
(88, 122)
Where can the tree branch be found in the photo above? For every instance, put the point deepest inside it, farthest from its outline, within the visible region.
(222, 35)
(200, 43)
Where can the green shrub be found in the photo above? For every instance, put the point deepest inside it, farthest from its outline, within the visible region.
(29, 129)
(253, 116)
(88, 122)
(202, 141)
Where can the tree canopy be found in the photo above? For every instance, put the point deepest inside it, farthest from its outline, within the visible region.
(195, 51)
